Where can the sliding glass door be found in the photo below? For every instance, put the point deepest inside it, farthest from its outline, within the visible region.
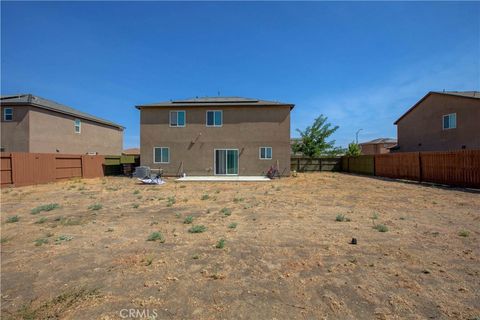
(226, 161)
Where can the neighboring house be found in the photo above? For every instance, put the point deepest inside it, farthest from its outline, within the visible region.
(216, 136)
(35, 124)
(377, 146)
(441, 121)
(131, 152)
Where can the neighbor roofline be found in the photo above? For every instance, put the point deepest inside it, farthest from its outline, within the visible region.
(206, 104)
(425, 97)
(41, 106)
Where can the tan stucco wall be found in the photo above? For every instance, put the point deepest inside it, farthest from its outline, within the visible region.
(52, 131)
(15, 133)
(246, 129)
(423, 125)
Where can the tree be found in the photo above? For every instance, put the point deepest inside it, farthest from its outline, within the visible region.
(353, 149)
(313, 141)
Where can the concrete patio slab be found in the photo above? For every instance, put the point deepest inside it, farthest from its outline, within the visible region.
(225, 178)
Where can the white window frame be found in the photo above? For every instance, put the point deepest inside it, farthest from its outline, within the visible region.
(206, 118)
(79, 126)
(260, 153)
(161, 155)
(5, 114)
(170, 118)
(449, 117)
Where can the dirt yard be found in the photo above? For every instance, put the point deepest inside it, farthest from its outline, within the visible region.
(284, 254)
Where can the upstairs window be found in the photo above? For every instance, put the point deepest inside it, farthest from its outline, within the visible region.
(161, 155)
(450, 121)
(214, 118)
(77, 125)
(8, 114)
(177, 118)
(266, 153)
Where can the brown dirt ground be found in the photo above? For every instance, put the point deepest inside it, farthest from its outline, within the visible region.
(287, 259)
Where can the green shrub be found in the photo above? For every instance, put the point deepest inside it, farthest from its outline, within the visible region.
(41, 220)
(70, 222)
(148, 261)
(171, 201)
(197, 229)
(226, 211)
(135, 205)
(381, 227)
(13, 219)
(375, 216)
(205, 197)
(188, 220)
(220, 244)
(464, 233)
(236, 200)
(233, 225)
(136, 192)
(340, 218)
(157, 235)
(63, 238)
(41, 241)
(45, 207)
(96, 206)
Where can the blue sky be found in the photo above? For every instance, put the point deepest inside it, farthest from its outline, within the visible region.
(360, 64)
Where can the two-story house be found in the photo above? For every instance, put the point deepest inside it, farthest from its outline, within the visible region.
(34, 124)
(441, 121)
(215, 136)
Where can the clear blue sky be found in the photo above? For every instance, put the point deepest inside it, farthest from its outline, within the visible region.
(360, 64)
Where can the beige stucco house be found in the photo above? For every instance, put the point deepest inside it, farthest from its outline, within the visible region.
(377, 146)
(441, 121)
(33, 124)
(216, 136)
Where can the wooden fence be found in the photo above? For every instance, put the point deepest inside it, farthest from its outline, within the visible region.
(456, 168)
(301, 164)
(22, 169)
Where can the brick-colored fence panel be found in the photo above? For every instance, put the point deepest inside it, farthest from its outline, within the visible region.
(23, 169)
(6, 169)
(456, 168)
(459, 168)
(398, 166)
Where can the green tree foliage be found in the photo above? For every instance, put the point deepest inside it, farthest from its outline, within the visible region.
(313, 141)
(353, 149)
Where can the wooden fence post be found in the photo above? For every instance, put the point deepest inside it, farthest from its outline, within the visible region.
(420, 171)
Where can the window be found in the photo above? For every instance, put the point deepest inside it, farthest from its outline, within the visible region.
(266, 153)
(450, 121)
(78, 125)
(214, 118)
(8, 114)
(161, 155)
(177, 118)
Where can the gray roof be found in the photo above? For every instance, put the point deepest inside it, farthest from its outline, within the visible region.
(468, 94)
(380, 140)
(463, 94)
(215, 101)
(36, 101)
